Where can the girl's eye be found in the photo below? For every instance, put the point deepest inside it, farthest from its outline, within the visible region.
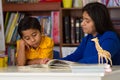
(34, 34)
(27, 38)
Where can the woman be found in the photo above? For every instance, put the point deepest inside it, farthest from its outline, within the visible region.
(96, 23)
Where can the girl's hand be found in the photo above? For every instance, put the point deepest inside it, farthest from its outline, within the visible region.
(44, 61)
(23, 43)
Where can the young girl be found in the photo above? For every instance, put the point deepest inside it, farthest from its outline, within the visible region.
(33, 47)
(96, 23)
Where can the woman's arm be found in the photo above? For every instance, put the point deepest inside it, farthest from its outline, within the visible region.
(78, 53)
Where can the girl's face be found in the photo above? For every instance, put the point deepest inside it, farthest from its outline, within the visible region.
(32, 37)
(88, 24)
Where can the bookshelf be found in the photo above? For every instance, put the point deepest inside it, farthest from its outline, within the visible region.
(31, 9)
(72, 12)
(76, 12)
(45, 8)
(70, 46)
(114, 13)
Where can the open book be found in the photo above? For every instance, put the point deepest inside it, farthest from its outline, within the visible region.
(52, 64)
(66, 65)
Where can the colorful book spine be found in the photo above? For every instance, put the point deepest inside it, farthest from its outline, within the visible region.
(72, 30)
(67, 33)
(55, 27)
(12, 28)
(3, 59)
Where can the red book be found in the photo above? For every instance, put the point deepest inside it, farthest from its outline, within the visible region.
(55, 27)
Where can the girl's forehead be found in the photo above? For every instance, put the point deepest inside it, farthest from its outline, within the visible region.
(29, 31)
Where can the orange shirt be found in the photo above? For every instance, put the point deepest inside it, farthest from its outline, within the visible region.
(45, 49)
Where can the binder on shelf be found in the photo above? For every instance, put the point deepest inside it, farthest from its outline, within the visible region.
(77, 31)
(67, 28)
(72, 19)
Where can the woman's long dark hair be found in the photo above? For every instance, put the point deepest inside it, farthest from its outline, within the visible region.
(100, 15)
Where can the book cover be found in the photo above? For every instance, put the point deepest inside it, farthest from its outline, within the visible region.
(45, 22)
(15, 32)
(66, 29)
(7, 16)
(9, 24)
(55, 27)
(77, 31)
(72, 30)
(11, 55)
(12, 28)
(2, 39)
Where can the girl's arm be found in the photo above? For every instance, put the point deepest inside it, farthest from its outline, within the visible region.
(21, 58)
(38, 61)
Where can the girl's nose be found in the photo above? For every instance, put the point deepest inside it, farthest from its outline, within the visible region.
(32, 39)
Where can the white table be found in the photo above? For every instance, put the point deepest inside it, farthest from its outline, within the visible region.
(114, 75)
(12, 73)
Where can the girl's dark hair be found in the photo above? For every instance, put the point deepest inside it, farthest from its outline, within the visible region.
(100, 15)
(28, 23)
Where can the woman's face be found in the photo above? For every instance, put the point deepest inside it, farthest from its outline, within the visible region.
(88, 24)
(32, 37)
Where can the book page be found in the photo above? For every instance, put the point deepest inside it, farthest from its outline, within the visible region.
(55, 63)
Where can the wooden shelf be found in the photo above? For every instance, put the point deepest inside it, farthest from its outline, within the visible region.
(113, 7)
(70, 45)
(43, 6)
(71, 8)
